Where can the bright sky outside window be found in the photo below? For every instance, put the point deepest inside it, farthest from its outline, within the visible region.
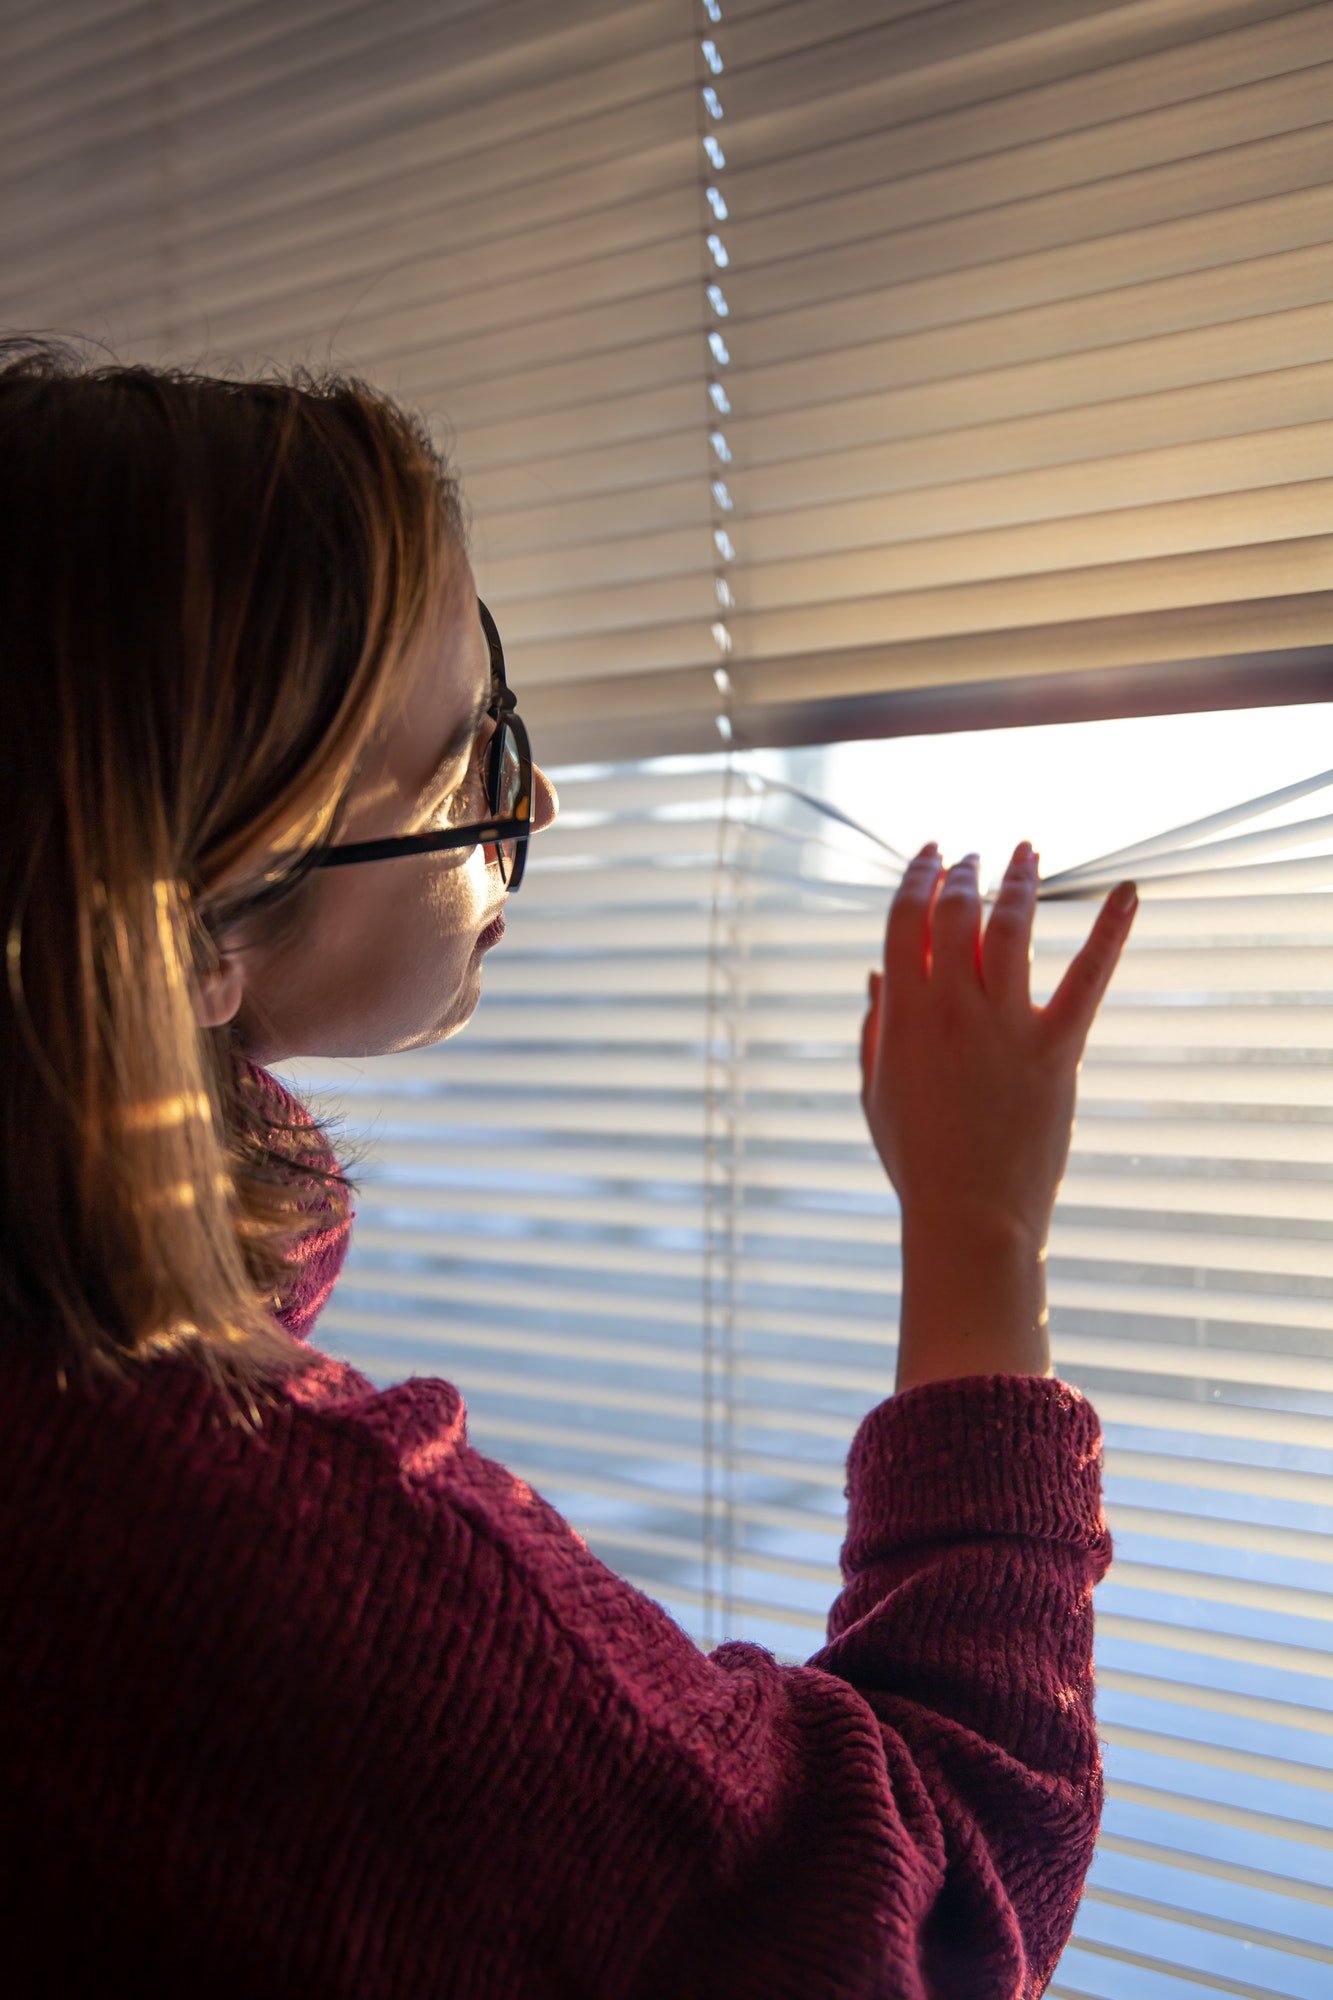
(1076, 790)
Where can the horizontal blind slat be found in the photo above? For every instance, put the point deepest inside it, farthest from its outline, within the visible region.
(1270, 422)
(1214, 1867)
(1142, 583)
(1175, 333)
(1086, 127)
(834, 1077)
(972, 214)
(826, 1266)
(383, 87)
(1269, 1370)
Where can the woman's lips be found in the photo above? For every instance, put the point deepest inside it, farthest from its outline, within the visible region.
(493, 932)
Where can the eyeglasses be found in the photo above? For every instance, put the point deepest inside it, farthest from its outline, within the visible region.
(508, 787)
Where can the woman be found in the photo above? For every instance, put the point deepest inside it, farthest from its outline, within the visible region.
(300, 1694)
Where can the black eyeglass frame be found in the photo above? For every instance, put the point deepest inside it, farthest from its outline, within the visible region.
(484, 832)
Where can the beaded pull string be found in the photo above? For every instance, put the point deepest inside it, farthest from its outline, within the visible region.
(725, 999)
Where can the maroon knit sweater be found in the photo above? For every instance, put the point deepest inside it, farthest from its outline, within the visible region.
(346, 1709)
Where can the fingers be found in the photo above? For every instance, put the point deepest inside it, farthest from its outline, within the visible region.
(934, 923)
(1006, 951)
(955, 936)
(1072, 1008)
(907, 938)
(934, 931)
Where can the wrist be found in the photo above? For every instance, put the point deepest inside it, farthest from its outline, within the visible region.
(973, 1300)
(963, 1227)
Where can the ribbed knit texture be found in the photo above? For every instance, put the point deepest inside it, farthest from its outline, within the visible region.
(346, 1709)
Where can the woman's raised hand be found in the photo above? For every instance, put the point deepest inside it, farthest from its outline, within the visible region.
(968, 1089)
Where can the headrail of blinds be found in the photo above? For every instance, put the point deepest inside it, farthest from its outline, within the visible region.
(635, 1214)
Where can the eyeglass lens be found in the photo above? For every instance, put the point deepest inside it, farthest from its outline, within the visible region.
(503, 777)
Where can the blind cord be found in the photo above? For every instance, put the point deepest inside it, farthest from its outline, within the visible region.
(722, 1107)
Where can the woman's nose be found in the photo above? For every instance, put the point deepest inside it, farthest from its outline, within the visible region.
(545, 806)
(545, 801)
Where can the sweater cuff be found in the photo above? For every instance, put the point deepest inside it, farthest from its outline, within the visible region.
(981, 1455)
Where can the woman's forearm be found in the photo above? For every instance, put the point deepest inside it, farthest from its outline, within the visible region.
(973, 1303)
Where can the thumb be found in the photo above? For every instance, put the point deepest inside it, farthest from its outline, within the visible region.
(1072, 1008)
(870, 1034)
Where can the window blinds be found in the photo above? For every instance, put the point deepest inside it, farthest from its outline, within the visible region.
(489, 209)
(1000, 393)
(1025, 311)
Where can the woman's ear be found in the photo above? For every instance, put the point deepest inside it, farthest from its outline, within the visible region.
(218, 995)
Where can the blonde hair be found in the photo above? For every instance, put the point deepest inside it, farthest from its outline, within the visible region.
(206, 586)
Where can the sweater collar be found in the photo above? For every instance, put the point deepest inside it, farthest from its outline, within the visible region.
(317, 1257)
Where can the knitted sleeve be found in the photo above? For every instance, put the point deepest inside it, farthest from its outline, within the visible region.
(912, 1812)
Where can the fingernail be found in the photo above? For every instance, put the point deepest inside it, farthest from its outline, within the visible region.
(931, 847)
(1023, 851)
(1125, 898)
